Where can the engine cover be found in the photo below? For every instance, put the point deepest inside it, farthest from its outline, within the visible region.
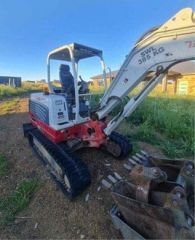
(50, 109)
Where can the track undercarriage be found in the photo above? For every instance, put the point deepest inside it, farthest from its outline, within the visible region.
(69, 172)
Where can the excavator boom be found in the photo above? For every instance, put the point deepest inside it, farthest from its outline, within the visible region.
(155, 52)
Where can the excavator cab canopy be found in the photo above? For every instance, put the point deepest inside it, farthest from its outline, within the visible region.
(73, 53)
(79, 52)
(69, 56)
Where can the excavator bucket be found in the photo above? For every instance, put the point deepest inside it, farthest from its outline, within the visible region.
(157, 202)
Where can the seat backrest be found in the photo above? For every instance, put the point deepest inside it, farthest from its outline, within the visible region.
(67, 82)
(66, 79)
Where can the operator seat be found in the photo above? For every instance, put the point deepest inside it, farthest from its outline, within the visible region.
(67, 82)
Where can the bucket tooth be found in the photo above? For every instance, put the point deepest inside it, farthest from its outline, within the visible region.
(112, 179)
(132, 162)
(106, 184)
(127, 166)
(117, 176)
(137, 159)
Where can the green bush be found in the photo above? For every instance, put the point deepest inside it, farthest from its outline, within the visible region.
(145, 132)
(172, 117)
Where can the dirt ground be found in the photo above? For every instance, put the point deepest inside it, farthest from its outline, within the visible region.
(50, 215)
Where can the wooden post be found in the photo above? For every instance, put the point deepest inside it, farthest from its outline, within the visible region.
(175, 87)
(164, 84)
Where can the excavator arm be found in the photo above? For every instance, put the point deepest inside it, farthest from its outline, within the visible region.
(155, 53)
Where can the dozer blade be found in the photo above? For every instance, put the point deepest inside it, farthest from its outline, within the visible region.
(67, 170)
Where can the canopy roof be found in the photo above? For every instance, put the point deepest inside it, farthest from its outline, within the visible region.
(79, 51)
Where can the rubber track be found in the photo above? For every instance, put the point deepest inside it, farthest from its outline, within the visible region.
(123, 142)
(76, 171)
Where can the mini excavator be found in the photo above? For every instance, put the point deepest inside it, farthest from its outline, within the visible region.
(61, 119)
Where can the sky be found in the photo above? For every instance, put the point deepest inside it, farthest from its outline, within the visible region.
(30, 29)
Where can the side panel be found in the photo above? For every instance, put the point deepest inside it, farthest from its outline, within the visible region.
(50, 109)
(39, 111)
(54, 135)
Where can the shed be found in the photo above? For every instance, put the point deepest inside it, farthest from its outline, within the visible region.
(11, 81)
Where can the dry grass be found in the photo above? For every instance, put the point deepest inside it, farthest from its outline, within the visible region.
(27, 87)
